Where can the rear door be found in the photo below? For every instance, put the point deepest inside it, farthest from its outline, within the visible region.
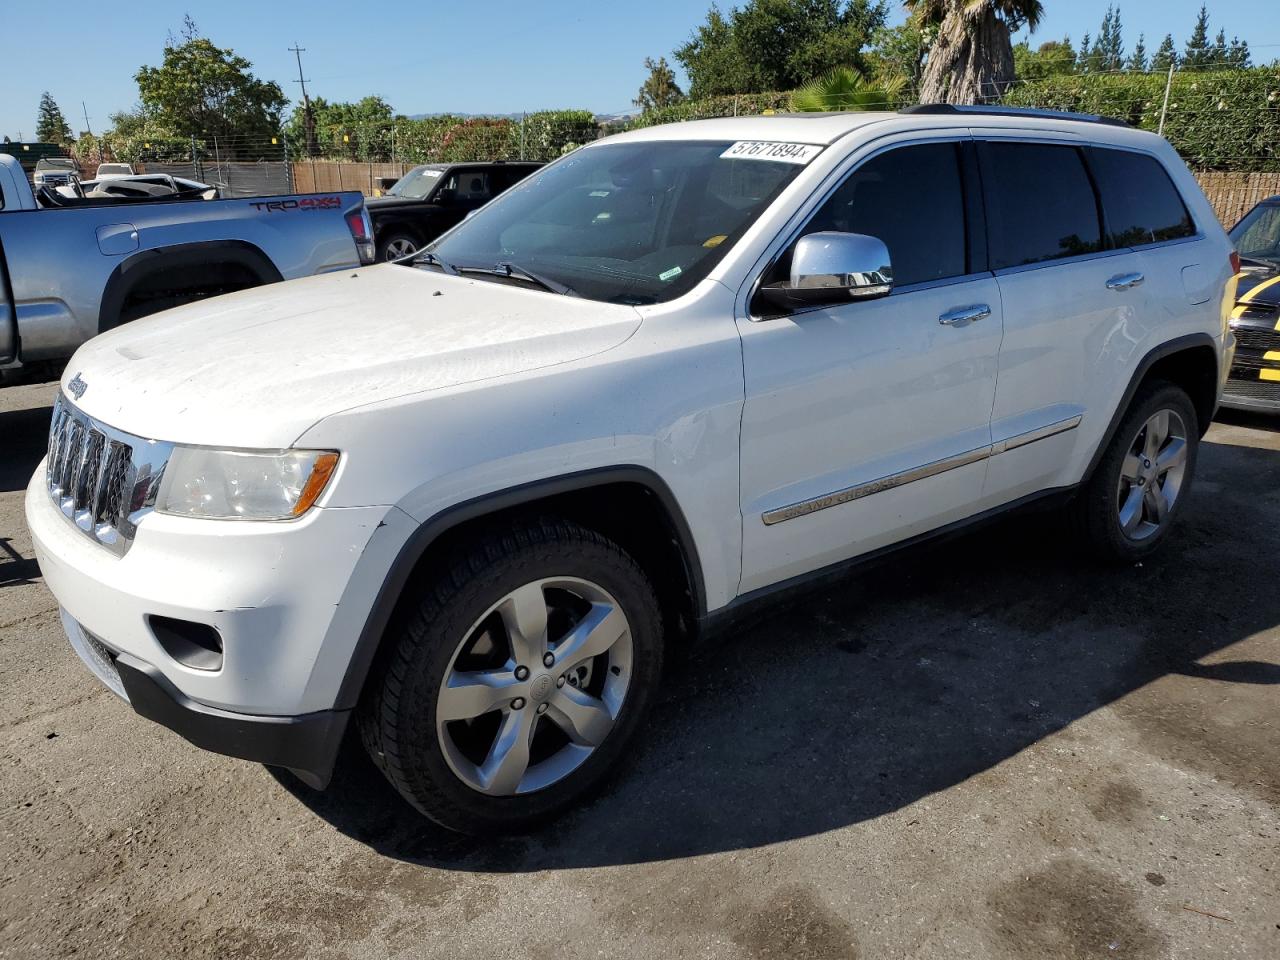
(1074, 310)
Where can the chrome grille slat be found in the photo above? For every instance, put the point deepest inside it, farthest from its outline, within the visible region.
(102, 479)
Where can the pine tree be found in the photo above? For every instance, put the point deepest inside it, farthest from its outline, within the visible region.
(1166, 56)
(1138, 61)
(1219, 52)
(1110, 43)
(1197, 52)
(1238, 53)
(1082, 59)
(51, 125)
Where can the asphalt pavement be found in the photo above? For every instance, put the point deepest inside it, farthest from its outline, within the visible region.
(981, 749)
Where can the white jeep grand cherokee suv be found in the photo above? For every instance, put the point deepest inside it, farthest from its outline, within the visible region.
(470, 505)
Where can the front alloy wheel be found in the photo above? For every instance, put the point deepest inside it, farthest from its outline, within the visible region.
(515, 676)
(535, 686)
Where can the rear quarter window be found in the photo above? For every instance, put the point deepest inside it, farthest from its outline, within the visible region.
(1139, 201)
(1040, 203)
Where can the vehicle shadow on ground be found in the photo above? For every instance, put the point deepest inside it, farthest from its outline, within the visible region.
(898, 682)
(24, 435)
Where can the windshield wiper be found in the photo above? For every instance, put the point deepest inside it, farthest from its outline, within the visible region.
(1261, 262)
(511, 271)
(431, 260)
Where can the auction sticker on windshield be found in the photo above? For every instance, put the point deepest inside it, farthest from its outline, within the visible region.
(772, 150)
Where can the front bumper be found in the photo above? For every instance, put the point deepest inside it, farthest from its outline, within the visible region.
(288, 601)
(308, 745)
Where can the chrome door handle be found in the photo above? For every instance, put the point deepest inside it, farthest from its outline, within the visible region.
(965, 315)
(1125, 281)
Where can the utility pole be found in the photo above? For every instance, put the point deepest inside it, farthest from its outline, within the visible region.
(308, 120)
(1168, 85)
(89, 130)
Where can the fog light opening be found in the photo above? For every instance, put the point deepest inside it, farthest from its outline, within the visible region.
(194, 645)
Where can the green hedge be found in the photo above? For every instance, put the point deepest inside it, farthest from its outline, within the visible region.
(1219, 120)
(739, 105)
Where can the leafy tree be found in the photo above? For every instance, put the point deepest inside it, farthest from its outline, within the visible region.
(51, 125)
(972, 59)
(205, 91)
(846, 89)
(776, 44)
(659, 88)
(1138, 61)
(356, 131)
(1166, 56)
(1198, 53)
(1053, 58)
(899, 51)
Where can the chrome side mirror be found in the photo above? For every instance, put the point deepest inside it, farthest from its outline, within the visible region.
(832, 267)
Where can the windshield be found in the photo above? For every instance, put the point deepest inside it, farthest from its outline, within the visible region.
(624, 223)
(55, 163)
(1257, 236)
(415, 184)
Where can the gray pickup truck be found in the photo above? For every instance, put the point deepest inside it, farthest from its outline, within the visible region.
(72, 268)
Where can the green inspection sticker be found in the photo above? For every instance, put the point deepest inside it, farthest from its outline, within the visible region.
(670, 274)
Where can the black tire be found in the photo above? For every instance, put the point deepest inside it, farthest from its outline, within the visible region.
(397, 716)
(1093, 514)
(391, 239)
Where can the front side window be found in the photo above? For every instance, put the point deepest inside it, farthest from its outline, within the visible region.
(634, 223)
(465, 187)
(911, 198)
(1139, 201)
(1040, 203)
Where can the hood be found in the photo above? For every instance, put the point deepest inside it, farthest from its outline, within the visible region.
(1260, 286)
(258, 367)
(385, 202)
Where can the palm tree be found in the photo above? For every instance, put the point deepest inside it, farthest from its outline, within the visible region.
(844, 88)
(971, 61)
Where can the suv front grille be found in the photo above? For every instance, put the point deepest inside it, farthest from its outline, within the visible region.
(102, 479)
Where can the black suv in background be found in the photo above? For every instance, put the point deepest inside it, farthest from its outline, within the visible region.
(430, 199)
(1254, 383)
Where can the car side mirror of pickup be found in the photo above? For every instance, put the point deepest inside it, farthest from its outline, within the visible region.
(832, 267)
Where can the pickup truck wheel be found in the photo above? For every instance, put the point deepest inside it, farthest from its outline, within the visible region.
(517, 680)
(396, 245)
(1130, 503)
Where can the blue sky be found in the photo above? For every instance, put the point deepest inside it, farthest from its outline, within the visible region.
(501, 56)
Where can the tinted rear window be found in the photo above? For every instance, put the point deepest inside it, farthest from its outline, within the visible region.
(1040, 203)
(1140, 202)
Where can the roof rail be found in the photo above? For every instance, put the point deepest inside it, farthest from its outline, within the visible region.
(977, 110)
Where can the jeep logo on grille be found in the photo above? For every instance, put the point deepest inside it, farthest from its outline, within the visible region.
(77, 386)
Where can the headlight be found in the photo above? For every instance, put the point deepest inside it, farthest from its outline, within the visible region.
(244, 484)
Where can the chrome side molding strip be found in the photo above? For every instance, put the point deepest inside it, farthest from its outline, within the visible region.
(1039, 433)
(848, 494)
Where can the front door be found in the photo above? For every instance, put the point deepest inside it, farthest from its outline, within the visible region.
(867, 423)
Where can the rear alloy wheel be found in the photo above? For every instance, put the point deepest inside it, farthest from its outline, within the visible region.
(1129, 503)
(516, 679)
(1152, 474)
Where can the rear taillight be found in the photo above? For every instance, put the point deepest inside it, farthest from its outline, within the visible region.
(1235, 262)
(361, 228)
